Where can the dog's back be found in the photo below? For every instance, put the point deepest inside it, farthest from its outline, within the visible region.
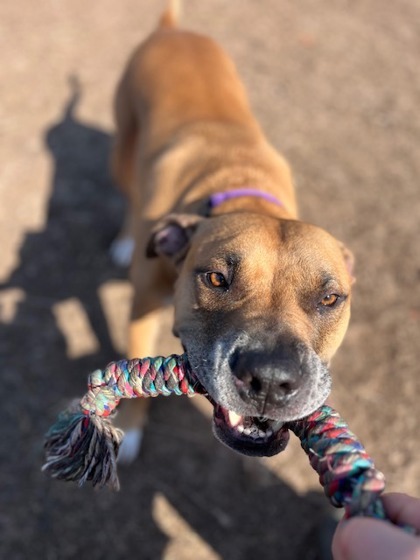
(181, 96)
(179, 77)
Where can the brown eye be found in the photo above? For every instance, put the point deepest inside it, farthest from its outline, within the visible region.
(217, 279)
(329, 300)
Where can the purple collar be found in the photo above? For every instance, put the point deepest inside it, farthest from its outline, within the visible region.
(218, 198)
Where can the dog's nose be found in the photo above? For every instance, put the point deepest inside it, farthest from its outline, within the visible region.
(266, 379)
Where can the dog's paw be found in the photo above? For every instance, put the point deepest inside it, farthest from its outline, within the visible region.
(121, 251)
(130, 446)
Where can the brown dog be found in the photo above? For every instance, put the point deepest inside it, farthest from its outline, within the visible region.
(262, 300)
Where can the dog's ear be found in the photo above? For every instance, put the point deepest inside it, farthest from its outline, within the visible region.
(171, 236)
(349, 261)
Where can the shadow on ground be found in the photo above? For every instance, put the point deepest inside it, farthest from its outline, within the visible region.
(182, 468)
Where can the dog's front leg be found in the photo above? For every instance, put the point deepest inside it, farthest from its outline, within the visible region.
(152, 289)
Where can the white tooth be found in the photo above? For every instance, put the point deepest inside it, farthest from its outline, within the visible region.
(234, 418)
(247, 431)
(240, 428)
(261, 433)
(269, 433)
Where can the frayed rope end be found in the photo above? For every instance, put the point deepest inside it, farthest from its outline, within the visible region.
(83, 448)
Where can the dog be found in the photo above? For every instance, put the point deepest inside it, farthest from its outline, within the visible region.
(261, 299)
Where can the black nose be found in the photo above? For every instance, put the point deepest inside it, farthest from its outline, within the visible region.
(266, 379)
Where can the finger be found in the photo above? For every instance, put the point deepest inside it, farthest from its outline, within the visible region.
(402, 509)
(362, 538)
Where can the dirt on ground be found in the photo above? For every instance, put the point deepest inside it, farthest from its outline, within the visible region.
(336, 86)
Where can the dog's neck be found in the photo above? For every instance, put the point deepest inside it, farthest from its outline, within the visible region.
(245, 199)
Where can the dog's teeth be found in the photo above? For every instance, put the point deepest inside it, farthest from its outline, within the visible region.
(240, 428)
(234, 419)
(269, 433)
(261, 433)
(253, 433)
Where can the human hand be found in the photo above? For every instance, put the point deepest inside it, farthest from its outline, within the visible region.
(362, 538)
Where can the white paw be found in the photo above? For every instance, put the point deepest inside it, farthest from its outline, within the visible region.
(130, 446)
(121, 251)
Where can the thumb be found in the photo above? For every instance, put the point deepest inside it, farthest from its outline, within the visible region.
(361, 538)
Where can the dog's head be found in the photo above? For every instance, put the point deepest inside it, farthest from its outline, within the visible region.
(261, 306)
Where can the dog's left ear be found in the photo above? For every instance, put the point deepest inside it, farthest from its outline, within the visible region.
(171, 236)
(349, 260)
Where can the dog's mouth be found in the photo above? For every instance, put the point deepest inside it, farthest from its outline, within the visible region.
(238, 419)
(249, 435)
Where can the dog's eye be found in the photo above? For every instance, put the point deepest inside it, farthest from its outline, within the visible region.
(330, 300)
(216, 279)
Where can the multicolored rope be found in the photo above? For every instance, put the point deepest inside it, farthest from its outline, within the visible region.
(128, 379)
(345, 470)
(83, 444)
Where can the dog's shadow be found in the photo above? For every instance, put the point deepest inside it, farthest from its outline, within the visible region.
(186, 490)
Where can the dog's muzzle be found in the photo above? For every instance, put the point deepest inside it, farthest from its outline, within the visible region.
(255, 392)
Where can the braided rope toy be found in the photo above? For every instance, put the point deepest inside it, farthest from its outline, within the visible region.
(83, 444)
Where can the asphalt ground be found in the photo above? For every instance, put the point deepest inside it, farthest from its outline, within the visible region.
(336, 86)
